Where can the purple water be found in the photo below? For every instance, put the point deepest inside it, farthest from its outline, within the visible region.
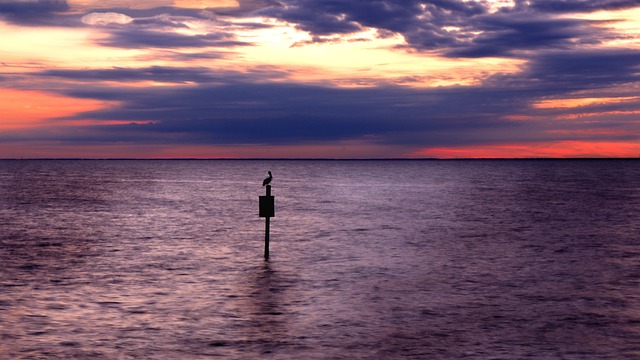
(477, 259)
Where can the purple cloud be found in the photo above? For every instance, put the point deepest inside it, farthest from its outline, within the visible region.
(242, 108)
(455, 28)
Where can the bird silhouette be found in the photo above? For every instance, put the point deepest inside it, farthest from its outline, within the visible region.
(267, 180)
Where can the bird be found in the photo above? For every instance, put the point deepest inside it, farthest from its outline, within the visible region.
(267, 180)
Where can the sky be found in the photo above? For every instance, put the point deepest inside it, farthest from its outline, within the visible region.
(319, 78)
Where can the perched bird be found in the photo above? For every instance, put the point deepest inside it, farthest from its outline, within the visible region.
(267, 180)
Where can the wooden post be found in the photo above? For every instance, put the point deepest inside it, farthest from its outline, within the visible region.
(266, 238)
(267, 210)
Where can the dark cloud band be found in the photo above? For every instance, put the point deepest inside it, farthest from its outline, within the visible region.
(241, 108)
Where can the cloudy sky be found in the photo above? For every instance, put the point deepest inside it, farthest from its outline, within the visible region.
(319, 78)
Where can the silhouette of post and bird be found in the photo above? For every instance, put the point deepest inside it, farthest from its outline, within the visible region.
(267, 211)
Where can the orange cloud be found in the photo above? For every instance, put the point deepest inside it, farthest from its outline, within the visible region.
(26, 109)
(573, 103)
(611, 113)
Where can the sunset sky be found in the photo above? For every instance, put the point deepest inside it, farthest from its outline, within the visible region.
(319, 78)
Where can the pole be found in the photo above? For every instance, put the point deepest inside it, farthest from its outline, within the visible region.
(266, 239)
(267, 210)
(266, 229)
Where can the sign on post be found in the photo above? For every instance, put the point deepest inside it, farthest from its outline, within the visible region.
(267, 204)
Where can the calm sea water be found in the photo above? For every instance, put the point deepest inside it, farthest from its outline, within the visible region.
(369, 260)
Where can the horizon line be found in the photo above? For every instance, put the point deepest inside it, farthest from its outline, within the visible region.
(328, 158)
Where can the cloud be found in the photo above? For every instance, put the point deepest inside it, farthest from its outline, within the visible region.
(281, 113)
(155, 73)
(106, 18)
(510, 34)
(246, 7)
(168, 28)
(228, 107)
(586, 69)
(166, 74)
(34, 12)
(456, 28)
(572, 6)
(175, 55)
(137, 38)
(261, 105)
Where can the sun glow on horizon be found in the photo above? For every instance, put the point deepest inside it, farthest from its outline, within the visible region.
(544, 149)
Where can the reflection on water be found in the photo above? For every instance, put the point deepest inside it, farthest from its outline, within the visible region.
(267, 307)
(372, 259)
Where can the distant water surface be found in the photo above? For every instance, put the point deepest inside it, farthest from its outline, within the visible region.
(478, 259)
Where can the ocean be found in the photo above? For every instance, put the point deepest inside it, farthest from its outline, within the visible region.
(455, 259)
